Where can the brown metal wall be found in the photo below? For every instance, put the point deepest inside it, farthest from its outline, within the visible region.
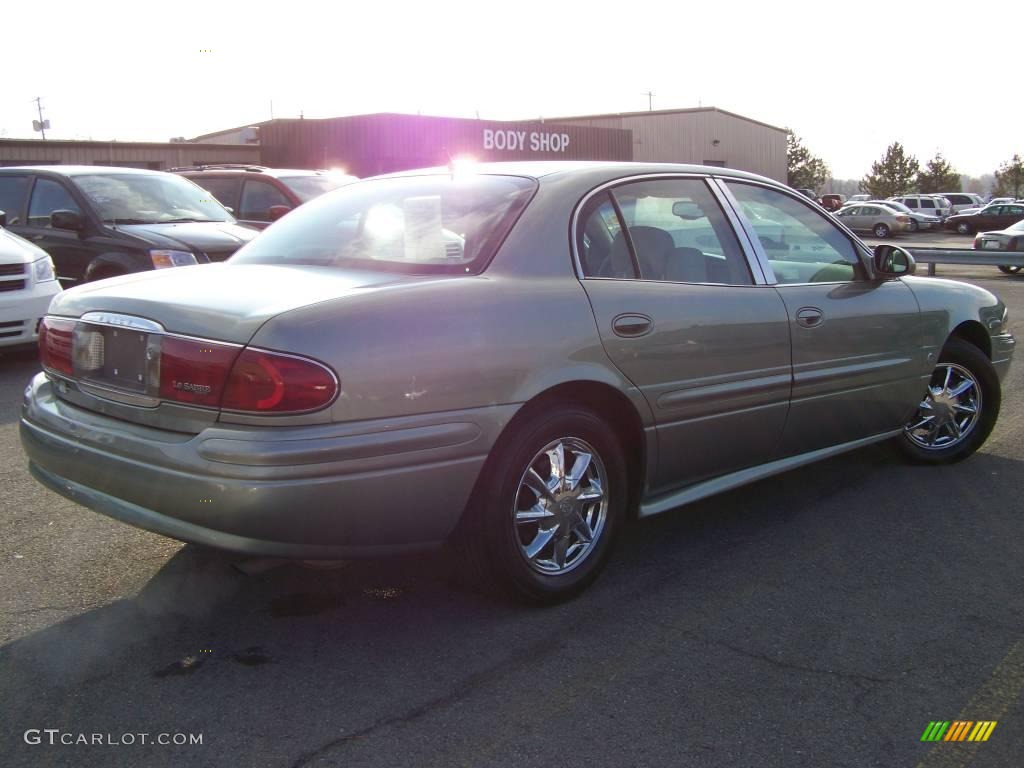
(688, 136)
(153, 155)
(366, 145)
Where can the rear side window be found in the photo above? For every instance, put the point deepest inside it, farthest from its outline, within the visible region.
(927, 202)
(675, 232)
(49, 196)
(12, 196)
(445, 223)
(224, 189)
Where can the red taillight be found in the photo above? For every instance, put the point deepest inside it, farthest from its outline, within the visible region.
(267, 382)
(1011, 244)
(193, 371)
(55, 337)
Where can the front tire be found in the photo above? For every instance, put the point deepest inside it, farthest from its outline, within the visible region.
(881, 230)
(544, 517)
(913, 225)
(963, 228)
(959, 409)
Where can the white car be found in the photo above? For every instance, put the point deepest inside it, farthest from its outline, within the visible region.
(27, 285)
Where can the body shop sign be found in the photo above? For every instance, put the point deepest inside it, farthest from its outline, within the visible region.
(520, 141)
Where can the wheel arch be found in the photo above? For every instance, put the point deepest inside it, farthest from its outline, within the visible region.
(117, 263)
(973, 332)
(603, 399)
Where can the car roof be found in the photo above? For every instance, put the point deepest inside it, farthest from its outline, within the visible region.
(80, 170)
(259, 170)
(538, 169)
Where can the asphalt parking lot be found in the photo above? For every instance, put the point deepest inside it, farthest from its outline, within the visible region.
(819, 618)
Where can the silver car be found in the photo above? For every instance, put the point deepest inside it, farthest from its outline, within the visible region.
(879, 220)
(918, 221)
(610, 340)
(1009, 239)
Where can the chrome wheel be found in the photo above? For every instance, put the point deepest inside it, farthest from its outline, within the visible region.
(949, 411)
(963, 228)
(881, 230)
(561, 506)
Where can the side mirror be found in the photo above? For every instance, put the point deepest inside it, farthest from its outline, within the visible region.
(3, 219)
(66, 220)
(277, 211)
(893, 261)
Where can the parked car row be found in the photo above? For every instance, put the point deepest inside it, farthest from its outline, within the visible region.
(27, 285)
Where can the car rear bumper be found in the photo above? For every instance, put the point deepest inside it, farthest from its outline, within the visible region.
(319, 492)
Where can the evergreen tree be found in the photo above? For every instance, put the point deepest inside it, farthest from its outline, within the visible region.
(938, 176)
(804, 170)
(894, 174)
(1010, 179)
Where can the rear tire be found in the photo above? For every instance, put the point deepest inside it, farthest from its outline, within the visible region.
(1010, 270)
(959, 408)
(540, 546)
(881, 230)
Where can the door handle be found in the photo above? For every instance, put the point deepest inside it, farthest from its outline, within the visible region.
(809, 317)
(631, 325)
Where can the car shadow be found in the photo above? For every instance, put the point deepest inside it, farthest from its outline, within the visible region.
(17, 367)
(273, 665)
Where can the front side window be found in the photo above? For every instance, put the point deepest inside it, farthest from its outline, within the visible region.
(676, 231)
(440, 223)
(49, 196)
(802, 246)
(149, 198)
(910, 202)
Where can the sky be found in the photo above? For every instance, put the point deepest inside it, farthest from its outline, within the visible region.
(850, 79)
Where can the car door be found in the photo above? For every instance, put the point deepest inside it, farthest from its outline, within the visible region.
(853, 217)
(682, 315)
(14, 197)
(224, 189)
(70, 250)
(988, 218)
(857, 342)
(1011, 214)
(258, 197)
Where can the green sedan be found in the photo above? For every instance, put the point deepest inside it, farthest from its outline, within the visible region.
(510, 361)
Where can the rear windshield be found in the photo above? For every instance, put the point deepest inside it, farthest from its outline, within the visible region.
(414, 224)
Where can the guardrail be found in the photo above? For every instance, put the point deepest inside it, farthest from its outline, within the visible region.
(933, 256)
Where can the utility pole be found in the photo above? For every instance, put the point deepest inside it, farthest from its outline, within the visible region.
(43, 124)
(650, 100)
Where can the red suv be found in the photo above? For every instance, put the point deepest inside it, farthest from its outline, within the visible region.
(258, 196)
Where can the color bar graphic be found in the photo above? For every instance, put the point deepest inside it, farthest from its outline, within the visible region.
(958, 730)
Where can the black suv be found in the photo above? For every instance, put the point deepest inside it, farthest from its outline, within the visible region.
(258, 195)
(99, 221)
